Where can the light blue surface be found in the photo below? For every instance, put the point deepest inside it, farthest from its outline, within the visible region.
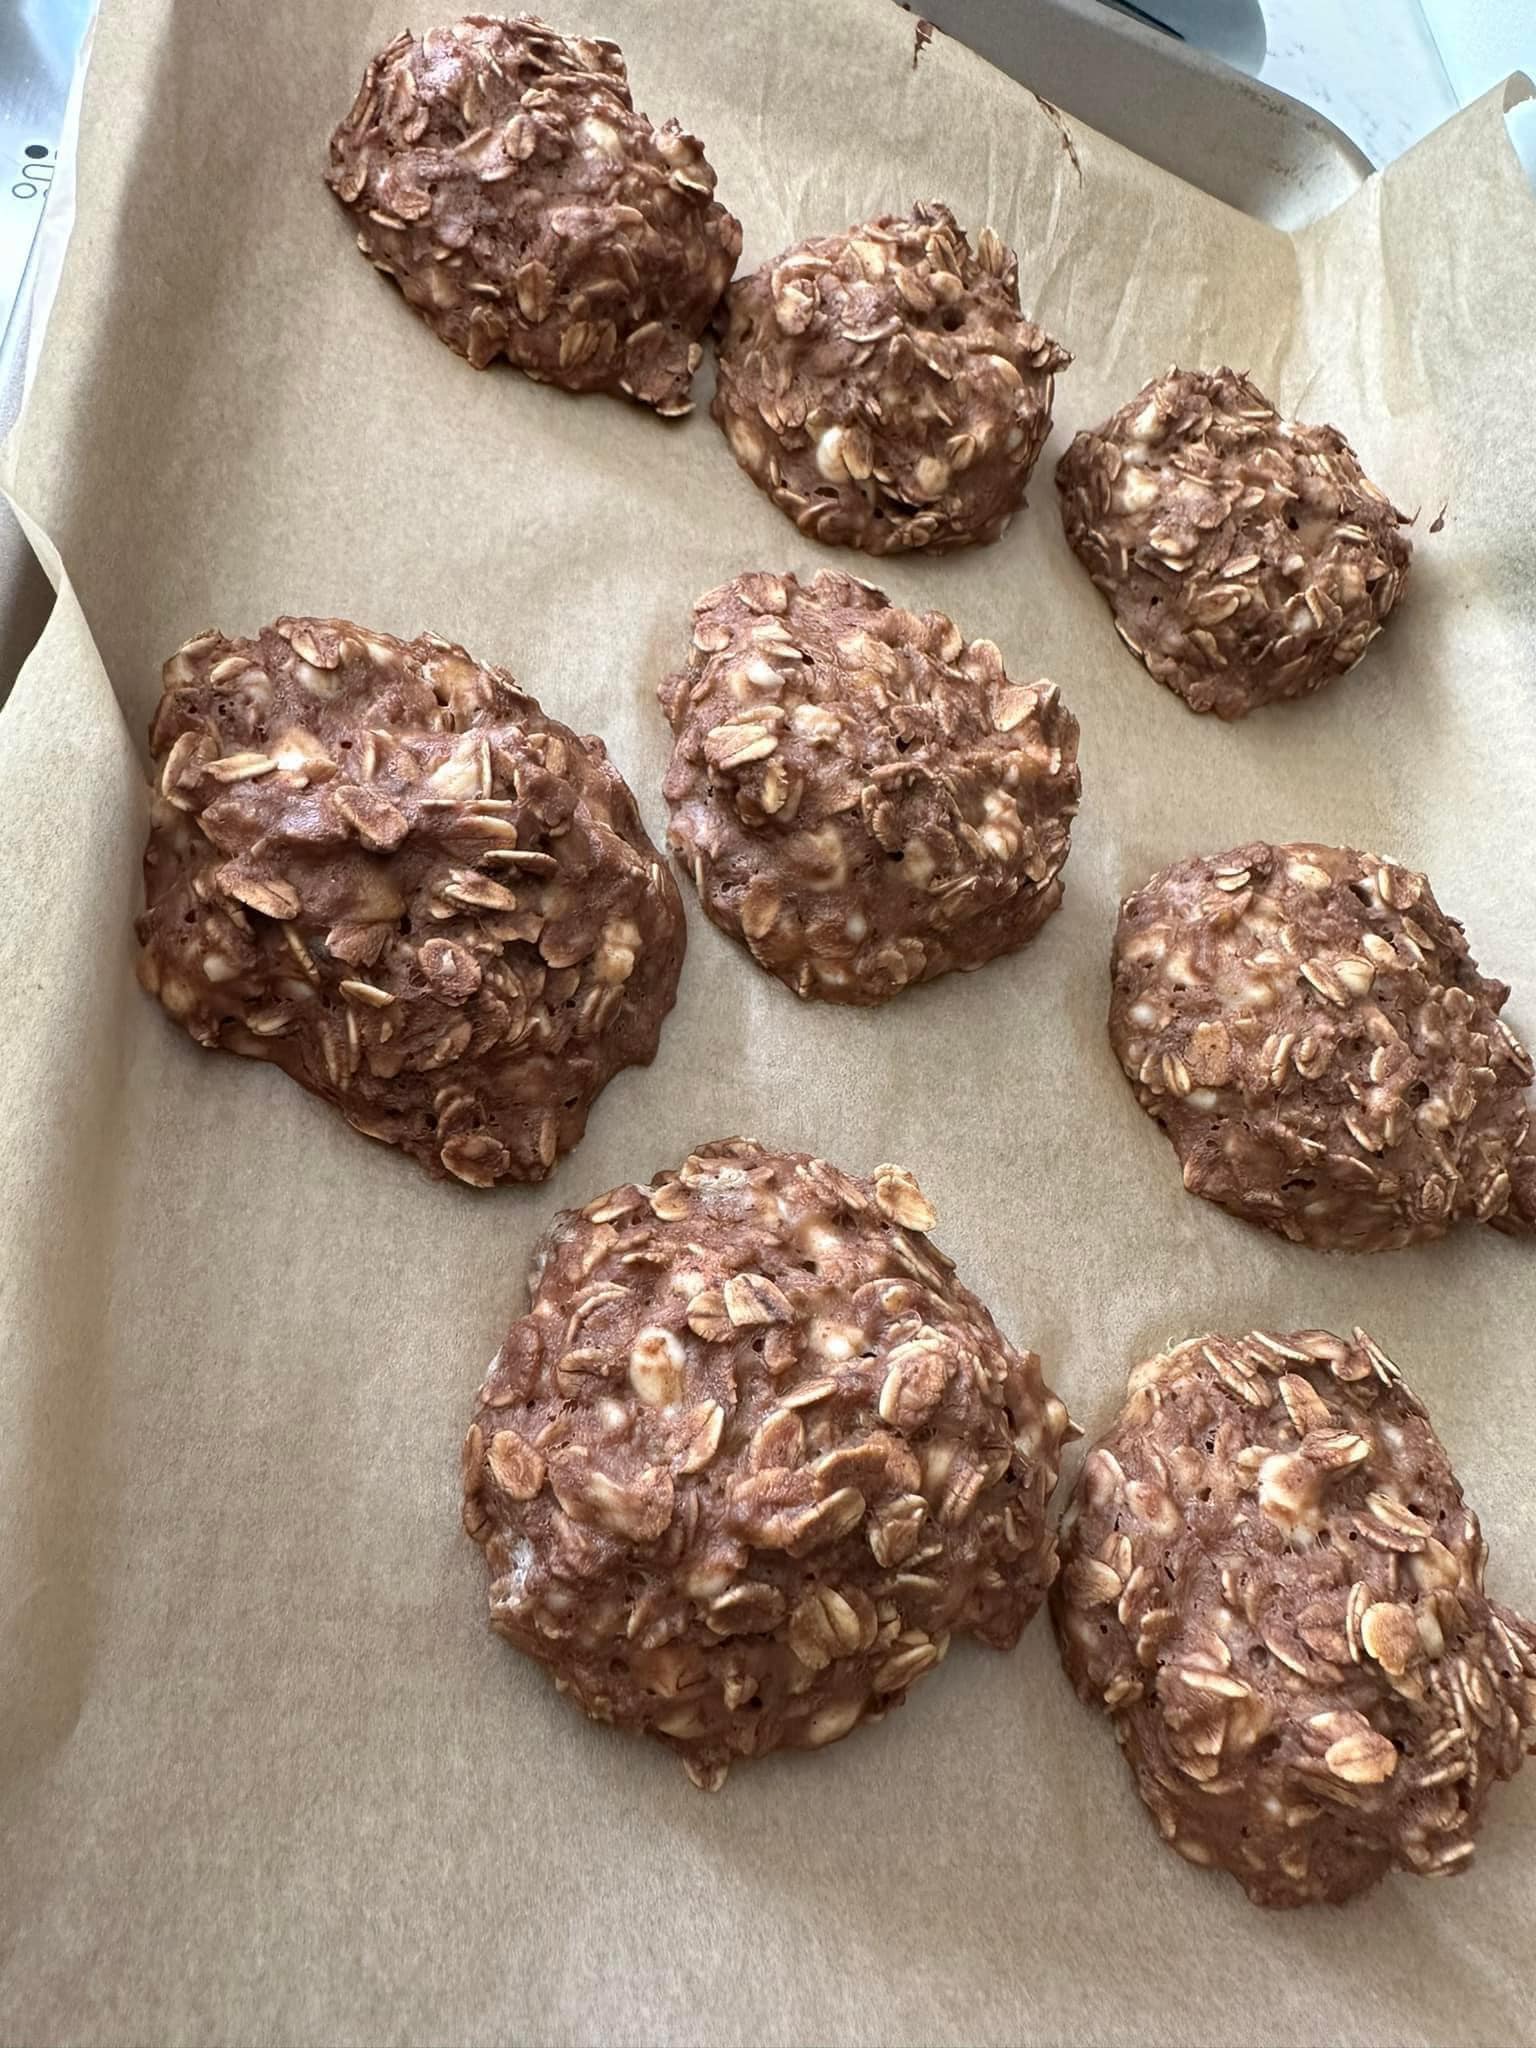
(1482, 41)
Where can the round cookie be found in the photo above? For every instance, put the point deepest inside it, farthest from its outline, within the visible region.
(1310, 1030)
(1272, 1584)
(883, 387)
(755, 1455)
(862, 797)
(380, 866)
(500, 174)
(1246, 558)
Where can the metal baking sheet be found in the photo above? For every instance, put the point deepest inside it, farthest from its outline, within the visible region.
(1182, 110)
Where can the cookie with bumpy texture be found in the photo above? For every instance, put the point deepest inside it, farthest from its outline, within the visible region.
(1310, 1030)
(862, 797)
(499, 173)
(1246, 558)
(379, 866)
(1271, 1583)
(754, 1456)
(883, 387)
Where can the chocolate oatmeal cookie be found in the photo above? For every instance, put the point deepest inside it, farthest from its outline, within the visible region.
(754, 1456)
(1246, 558)
(862, 796)
(1313, 1034)
(883, 387)
(1271, 1583)
(499, 173)
(378, 865)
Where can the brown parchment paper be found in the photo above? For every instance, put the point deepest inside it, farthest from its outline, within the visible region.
(264, 1776)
